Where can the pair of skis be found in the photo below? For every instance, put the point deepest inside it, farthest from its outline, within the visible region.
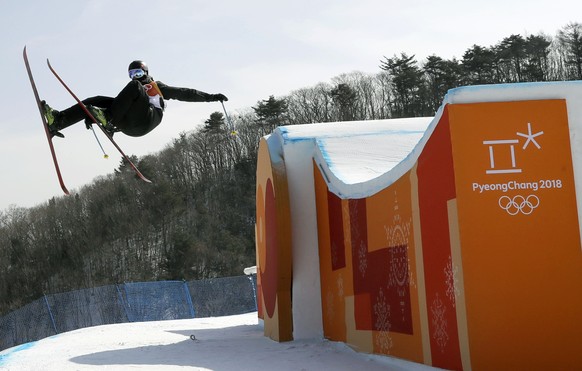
(48, 133)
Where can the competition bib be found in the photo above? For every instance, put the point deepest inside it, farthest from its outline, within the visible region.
(154, 94)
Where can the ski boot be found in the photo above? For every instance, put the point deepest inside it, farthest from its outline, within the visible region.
(100, 115)
(51, 116)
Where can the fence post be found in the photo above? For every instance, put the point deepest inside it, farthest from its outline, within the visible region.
(250, 276)
(189, 299)
(48, 307)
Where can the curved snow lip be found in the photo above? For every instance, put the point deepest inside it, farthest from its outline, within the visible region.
(357, 166)
(356, 158)
(360, 158)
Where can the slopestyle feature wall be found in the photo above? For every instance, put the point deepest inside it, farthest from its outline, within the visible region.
(369, 279)
(273, 239)
(469, 256)
(438, 270)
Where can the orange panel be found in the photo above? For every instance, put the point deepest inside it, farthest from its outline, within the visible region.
(273, 243)
(390, 227)
(331, 280)
(519, 234)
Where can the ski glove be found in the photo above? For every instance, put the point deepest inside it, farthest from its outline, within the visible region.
(218, 97)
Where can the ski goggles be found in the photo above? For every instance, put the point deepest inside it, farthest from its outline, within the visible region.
(137, 73)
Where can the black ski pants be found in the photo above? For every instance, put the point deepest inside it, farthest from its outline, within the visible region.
(130, 112)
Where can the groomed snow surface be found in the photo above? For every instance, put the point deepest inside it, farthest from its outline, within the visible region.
(221, 343)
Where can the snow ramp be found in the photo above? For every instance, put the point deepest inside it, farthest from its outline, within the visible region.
(451, 241)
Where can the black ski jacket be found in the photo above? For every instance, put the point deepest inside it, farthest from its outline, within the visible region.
(184, 94)
(134, 113)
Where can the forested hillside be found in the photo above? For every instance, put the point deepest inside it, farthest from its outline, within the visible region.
(197, 218)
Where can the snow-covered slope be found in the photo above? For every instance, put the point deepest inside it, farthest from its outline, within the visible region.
(221, 343)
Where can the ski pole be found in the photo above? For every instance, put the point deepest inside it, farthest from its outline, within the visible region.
(233, 132)
(105, 155)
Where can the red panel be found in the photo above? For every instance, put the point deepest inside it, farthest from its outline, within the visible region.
(336, 232)
(436, 186)
(270, 278)
(376, 276)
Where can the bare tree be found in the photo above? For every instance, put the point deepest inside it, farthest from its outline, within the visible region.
(570, 39)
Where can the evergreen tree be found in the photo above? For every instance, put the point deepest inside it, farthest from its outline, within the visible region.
(441, 75)
(214, 124)
(345, 99)
(537, 50)
(479, 65)
(407, 84)
(511, 55)
(271, 113)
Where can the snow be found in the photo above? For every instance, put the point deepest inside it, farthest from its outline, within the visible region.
(221, 343)
(356, 156)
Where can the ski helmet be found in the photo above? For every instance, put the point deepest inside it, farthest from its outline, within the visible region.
(137, 64)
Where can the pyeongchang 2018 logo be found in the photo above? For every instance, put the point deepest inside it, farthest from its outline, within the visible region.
(503, 159)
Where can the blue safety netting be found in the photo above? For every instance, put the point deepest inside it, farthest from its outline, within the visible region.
(84, 308)
(128, 302)
(223, 296)
(165, 300)
(31, 322)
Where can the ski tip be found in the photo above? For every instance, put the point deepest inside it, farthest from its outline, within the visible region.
(145, 179)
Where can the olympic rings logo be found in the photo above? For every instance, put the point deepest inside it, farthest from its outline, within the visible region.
(517, 204)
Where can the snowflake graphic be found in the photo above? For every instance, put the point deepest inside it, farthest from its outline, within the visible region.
(439, 323)
(399, 269)
(384, 342)
(362, 259)
(382, 313)
(452, 281)
(399, 232)
(398, 236)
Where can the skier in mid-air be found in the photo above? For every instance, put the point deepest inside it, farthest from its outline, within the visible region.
(136, 110)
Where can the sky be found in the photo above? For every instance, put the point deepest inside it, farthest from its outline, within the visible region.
(247, 50)
(167, 345)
